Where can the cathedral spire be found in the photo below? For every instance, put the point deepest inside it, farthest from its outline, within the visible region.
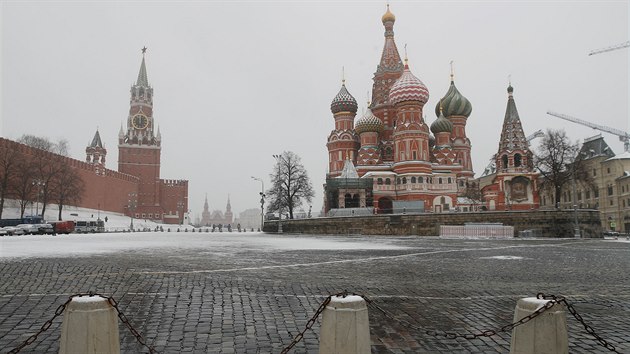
(512, 135)
(143, 80)
(390, 58)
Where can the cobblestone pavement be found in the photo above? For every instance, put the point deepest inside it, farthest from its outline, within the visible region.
(222, 298)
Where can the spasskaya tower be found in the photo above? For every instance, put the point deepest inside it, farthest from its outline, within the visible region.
(139, 151)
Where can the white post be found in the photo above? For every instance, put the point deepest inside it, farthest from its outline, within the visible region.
(546, 333)
(345, 326)
(90, 326)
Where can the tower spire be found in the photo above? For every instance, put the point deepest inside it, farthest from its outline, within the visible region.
(143, 80)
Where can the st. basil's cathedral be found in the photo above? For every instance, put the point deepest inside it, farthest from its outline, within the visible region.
(388, 160)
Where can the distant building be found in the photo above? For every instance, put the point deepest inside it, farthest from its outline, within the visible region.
(216, 217)
(249, 219)
(610, 190)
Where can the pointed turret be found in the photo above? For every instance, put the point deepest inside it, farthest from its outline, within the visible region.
(389, 68)
(143, 80)
(95, 152)
(512, 135)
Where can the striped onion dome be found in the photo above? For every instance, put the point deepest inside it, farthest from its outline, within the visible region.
(408, 88)
(454, 103)
(441, 125)
(343, 102)
(368, 123)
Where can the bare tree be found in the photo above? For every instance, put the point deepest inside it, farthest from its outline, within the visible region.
(67, 187)
(8, 163)
(473, 193)
(559, 163)
(47, 162)
(23, 186)
(291, 184)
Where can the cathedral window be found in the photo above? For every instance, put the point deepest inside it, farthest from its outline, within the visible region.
(388, 181)
(420, 180)
(504, 160)
(517, 160)
(413, 179)
(379, 181)
(440, 180)
(415, 156)
(449, 180)
(404, 180)
(398, 180)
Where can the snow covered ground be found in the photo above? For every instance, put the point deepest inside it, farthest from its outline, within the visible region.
(217, 242)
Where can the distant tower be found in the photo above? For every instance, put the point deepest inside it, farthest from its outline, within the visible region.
(343, 141)
(95, 152)
(229, 217)
(139, 148)
(442, 128)
(205, 214)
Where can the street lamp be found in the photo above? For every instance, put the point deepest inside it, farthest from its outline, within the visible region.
(132, 202)
(39, 185)
(278, 159)
(262, 202)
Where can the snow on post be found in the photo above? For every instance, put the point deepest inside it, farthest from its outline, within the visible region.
(90, 326)
(345, 326)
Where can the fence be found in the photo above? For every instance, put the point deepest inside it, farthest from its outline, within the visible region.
(477, 230)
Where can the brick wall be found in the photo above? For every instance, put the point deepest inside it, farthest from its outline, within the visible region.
(551, 223)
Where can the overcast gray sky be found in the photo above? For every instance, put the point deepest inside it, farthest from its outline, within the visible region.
(236, 82)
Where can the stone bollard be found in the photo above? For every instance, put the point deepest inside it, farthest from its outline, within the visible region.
(90, 326)
(345, 326)
(547, 333)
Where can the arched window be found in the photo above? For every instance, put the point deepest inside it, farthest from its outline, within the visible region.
(517, 160)
(449, 180)
(420, 180)
(398, 180)
(413, 179)
(388, 181)
(404, 180)
(504, 161)
(379, 181)
(440, 180)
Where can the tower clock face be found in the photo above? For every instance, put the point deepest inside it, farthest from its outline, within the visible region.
(140, 121)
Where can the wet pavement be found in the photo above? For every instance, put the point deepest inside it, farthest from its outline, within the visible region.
(251, 293)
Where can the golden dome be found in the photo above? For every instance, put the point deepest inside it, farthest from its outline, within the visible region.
(388, 16)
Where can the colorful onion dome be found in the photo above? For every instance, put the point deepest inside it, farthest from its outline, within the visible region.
(441, 125)
(408, 88)
(454, 103)
(368, 123)
(343, 102)
(388, 16)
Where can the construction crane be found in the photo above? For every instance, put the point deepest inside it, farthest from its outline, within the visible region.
(611, 48)
(623, 136)
(537, 134)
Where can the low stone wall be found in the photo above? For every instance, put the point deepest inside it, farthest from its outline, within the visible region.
(550, 223)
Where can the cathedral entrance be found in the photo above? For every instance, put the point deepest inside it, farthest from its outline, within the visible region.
(385, 206)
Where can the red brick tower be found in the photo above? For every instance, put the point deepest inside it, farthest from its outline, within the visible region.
(411, 133)
(457, 108)
(139, 148)
(95, 152)
(387, 72)
(343, 141)
(515, 186)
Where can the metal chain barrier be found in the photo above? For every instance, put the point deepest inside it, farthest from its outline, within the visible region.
(60, 310)
(561, 300)
(553, 299)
